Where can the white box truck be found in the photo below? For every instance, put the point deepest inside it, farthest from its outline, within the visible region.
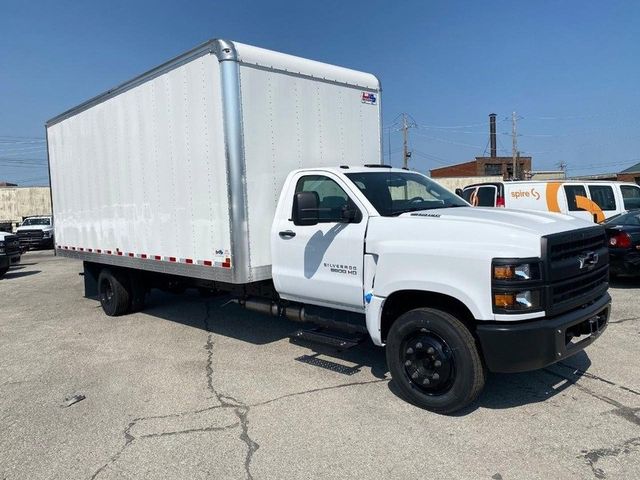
(244, 170)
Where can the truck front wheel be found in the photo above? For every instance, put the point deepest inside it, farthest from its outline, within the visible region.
(115, 296)
(434, 361)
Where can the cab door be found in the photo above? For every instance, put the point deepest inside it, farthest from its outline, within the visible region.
(321, 264)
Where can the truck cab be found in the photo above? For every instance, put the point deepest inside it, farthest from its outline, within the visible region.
(452, 291)
(9, 252)
(36, 232)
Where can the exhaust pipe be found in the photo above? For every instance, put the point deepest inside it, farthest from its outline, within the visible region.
(298, 313)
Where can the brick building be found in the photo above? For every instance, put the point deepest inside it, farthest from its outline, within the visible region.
(631, 174)
(484, 167)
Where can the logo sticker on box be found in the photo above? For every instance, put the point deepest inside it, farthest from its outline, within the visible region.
(369, 98)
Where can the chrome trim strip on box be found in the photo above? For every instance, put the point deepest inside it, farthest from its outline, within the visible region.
(235, 159)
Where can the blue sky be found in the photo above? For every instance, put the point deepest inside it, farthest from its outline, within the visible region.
(570, 69)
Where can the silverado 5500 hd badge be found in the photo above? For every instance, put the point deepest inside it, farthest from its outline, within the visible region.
(339, 268)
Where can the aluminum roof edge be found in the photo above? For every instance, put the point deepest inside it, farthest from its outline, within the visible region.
(226, 50)
(223, 49)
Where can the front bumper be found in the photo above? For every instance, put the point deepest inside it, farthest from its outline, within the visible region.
(34, 242)
(531, 345)
(9, 260)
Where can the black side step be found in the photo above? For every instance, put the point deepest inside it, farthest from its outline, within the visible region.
(324, 337)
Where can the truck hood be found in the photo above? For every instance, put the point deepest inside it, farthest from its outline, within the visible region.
(467, 232)
(538, 223)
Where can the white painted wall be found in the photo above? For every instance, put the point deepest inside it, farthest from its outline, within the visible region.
(18, 202)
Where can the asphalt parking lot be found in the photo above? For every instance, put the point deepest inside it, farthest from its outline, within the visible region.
(193, 389)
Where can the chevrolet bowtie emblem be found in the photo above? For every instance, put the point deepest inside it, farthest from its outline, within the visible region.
(588, 260)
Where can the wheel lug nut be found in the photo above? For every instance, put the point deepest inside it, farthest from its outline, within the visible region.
(419, 345)
(430, 350)
(437, 363)
(426, 381)
(423, 330)
(414, 375)
(407, 363)
(409, 351)
(435, 376)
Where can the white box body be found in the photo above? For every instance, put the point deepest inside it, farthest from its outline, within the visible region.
(180, 169)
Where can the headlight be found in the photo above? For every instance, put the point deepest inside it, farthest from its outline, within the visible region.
(47, 234)
(516, 285)
(525, 300)
(517, 272)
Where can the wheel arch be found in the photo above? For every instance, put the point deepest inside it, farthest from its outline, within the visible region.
(402, 301)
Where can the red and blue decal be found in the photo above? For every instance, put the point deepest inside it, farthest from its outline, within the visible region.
(369, 98)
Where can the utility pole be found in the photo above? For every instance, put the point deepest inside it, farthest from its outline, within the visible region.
(514, 145)
(405, 137)
(562, 165)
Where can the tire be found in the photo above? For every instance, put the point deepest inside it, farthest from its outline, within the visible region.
(3, 270)
(434, 360)
(114, 292)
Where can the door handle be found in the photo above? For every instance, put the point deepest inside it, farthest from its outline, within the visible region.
(287, 234)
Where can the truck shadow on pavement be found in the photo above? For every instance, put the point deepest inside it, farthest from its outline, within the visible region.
(625, 282)
(502, 391)
(16, 273)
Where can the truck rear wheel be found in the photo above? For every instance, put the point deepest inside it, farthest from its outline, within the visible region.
(434, 361)
(114, 293)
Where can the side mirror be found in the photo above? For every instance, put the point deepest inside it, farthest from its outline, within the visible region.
(305, 208)
(459, 192)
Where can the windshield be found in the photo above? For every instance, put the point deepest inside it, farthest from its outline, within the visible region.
(393, 193)
(36, 221)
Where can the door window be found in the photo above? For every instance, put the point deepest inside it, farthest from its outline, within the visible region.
(486, 197)
(630, 196)
(602, 195)
(333, 200)
(468, 193)
(481, 196)
(572, 191)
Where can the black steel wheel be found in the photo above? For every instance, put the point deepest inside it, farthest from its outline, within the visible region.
(114, 292)
(434, 360)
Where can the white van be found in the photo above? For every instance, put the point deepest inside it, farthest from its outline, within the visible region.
(596, 200)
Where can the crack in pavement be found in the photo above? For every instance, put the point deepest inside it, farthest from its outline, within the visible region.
(191, 430)
(321, 389)
(627, 413)
(225, 401)
(625, 320)
(591, 457)
(128, 438)
(583, 373)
